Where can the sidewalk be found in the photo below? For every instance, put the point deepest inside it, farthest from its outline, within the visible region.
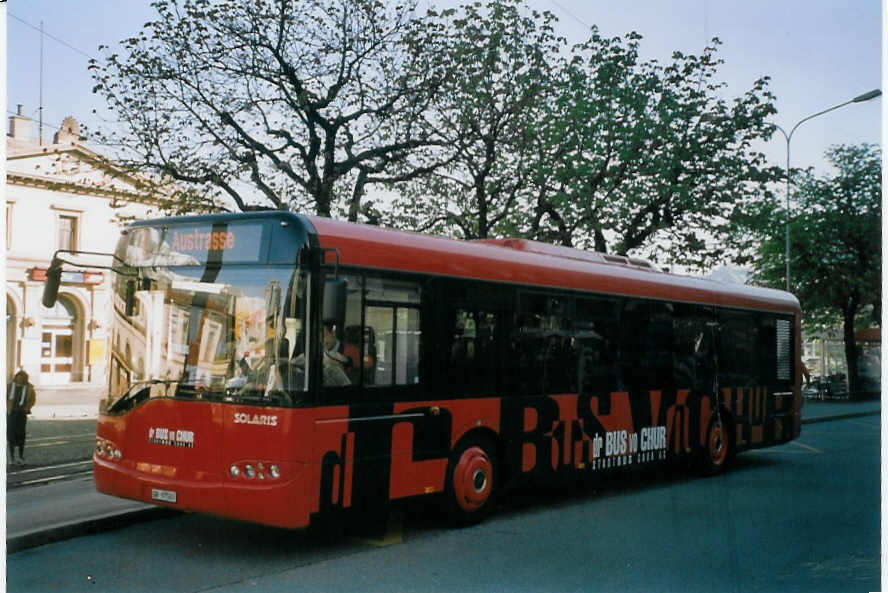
(77, 401)
(823, 410)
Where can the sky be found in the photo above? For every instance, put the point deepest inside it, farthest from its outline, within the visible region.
(818, 53)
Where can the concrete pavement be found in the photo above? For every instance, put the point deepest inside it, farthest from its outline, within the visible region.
(79, 400)
(28, 525)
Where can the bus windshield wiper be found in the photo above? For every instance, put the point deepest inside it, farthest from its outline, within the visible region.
(137, 393)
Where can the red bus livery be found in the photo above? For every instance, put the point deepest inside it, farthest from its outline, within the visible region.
(288, 369)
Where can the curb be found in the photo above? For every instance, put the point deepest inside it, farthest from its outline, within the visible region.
(65, 412)
(842, 416)
(111, 521)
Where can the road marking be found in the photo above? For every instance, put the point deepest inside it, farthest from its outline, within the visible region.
(394, 534)
(785, 450)
(46, 467)
(867, 424)
(85, 435)
(804, 446)
(51, 478)
(56, 443)
(781, 451)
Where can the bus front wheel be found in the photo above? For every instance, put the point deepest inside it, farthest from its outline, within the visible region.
(472, 476)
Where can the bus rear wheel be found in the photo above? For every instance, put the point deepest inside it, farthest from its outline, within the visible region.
(472, 476)
(718, 450)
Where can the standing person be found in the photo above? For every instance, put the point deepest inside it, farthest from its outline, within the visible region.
(20, 398)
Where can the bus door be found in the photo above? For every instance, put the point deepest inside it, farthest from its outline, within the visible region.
(371, 369)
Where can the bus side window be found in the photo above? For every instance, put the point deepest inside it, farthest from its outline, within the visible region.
(346, 353)
(738, 349)
(392, 323)
(541, 355)
(597, 333)
(634, 319)
(472, 352)
(693, 354)
(659, 347)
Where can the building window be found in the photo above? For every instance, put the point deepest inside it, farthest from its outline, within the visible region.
(67, 232)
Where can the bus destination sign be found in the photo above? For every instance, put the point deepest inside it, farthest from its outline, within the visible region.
(234, 242)
(195, 240)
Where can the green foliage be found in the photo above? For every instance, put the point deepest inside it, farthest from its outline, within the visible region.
(835, 244)
(588, 147)
(835, 237)
(641, 156)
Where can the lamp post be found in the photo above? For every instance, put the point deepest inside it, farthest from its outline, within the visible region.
(859, 99)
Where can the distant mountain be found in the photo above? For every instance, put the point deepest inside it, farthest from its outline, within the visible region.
(729, 275)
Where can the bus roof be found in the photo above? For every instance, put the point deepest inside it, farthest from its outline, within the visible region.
(534, 264)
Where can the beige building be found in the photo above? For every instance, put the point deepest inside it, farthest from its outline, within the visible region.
(61, 196)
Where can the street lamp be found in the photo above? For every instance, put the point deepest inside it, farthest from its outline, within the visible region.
(859, 99)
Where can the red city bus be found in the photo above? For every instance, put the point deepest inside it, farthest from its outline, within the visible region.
(285, 369)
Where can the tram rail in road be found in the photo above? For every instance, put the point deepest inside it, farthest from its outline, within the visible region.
(20, 477)
(64, 455)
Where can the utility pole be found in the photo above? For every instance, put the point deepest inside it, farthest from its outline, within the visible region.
(40, 125)
(858, 99)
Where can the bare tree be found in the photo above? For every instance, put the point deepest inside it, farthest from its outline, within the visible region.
(273, 102)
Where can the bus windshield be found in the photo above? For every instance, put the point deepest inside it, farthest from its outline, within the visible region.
(233, 332)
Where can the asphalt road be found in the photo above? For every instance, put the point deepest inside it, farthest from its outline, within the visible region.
(801, 517)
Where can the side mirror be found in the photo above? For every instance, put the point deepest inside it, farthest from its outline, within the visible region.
(334, 301)
(130, 297)
(51, 288)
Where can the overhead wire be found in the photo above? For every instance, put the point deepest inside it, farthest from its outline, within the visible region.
(65, 44)
(51, 36)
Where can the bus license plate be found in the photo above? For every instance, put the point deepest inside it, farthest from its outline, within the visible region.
(163, 495)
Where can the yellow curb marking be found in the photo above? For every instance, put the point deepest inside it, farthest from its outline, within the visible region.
(394, 534)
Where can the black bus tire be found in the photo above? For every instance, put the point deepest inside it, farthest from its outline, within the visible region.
(718, 449)
(472, 482)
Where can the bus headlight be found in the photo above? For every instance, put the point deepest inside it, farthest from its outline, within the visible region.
(274, 472)
(234, 471)
(249, 471)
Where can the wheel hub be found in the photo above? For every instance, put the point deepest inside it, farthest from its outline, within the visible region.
(471, 479)
(479, 480)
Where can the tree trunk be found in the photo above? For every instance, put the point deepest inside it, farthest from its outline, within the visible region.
(358, 193)
(324, 198)
(600, 243)
(850, 349)
(481, 197)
